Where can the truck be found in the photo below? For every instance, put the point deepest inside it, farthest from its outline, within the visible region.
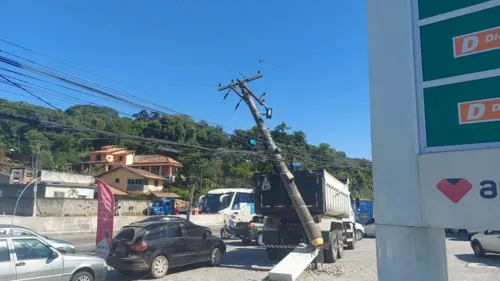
(329, 202)
(364, 211)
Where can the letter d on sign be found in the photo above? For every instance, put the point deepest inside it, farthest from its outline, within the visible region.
(469, 44)
(474, 114)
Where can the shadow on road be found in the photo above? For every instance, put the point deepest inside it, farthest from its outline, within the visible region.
(248, 258)
(489, 259)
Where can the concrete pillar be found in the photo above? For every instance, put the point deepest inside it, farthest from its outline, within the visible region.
(406, 250)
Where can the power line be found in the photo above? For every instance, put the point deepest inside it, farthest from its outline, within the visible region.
(22, 88)
(126, 102)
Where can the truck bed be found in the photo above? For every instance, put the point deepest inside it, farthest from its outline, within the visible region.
(322, 193)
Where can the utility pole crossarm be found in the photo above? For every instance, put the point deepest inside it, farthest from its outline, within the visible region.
(313, 233)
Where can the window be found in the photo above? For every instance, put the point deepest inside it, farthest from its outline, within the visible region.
(120, 158)
(135, 181)
(98, 158)
(19, 232)
(192, 230)
(31, 249)
(156, 182)
(29, 174)
(4, 251)
(59, 194)
(244, 198)
(173, 231)
(257, 219)
(155, 233)
(117, 180)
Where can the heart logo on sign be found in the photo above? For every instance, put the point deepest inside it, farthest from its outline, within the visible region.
(454, 189)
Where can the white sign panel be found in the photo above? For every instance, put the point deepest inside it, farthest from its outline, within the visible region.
(460, 189)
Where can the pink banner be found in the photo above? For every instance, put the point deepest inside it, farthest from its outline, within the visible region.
(105, 219)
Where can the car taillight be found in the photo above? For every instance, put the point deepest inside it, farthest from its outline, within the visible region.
(250, 226)
(139, 247)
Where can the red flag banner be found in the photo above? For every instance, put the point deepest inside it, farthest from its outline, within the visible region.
(105, 219)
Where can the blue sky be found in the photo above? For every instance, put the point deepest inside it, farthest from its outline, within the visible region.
(315, 74)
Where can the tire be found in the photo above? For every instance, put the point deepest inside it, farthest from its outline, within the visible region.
(216, 256)
(259, 239)
(224, 234)
(359, 234)
(82, 276)
(246, 242)
(330, 254)
(478, 249)
(463, 235)
(340, 239)
(159, 267)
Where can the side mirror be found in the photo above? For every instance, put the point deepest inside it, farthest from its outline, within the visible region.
(54, 255)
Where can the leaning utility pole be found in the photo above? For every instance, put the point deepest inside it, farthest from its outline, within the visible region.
(312, 231)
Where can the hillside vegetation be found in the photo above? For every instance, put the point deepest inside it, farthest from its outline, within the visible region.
(233, 165)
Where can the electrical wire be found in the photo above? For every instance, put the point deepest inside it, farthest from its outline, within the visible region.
(22, 88)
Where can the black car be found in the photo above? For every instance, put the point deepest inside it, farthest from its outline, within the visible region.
(171, 218)
(159, 245)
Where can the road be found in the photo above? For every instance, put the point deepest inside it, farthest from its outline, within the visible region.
(251, 263)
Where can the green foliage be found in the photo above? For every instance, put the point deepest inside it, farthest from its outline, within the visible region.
(201, 169)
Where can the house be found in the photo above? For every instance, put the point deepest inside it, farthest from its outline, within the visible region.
(157, 164)
(129, 179)
(111, 156)
(21, 176)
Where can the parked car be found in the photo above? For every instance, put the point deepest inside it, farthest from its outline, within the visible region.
(486, 242)
(61, 245)
(31, 258)
(159, 245)
(360, 231)
(370, 228)
(172, 218)
(466, 234)
(250, 231)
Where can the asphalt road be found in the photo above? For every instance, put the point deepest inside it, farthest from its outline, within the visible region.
(251, 263)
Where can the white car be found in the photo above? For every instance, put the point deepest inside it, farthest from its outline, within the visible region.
(360, 231)
(486, 242)
(370, 228)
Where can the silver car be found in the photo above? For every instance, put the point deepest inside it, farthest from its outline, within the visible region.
(30, 258)
(61, 245)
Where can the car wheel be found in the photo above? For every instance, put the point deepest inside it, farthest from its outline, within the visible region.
(159, 267)
(82, 276)
(478, 249)
(216, 257)
(359, 234)
(260, 240)
(463, 235)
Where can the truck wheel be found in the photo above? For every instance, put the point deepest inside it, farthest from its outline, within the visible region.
(330, 254)
(340, 238)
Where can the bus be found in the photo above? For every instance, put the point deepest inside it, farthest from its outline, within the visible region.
(228, 200)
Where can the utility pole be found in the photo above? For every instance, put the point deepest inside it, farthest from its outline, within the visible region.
(190, 208)
(312, 231)
(35, 186)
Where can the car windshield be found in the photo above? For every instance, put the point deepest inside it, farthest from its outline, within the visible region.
(157, 203)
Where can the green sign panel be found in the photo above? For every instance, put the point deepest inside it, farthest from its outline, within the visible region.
(429, 8)
(463, 113)
(461, 45)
